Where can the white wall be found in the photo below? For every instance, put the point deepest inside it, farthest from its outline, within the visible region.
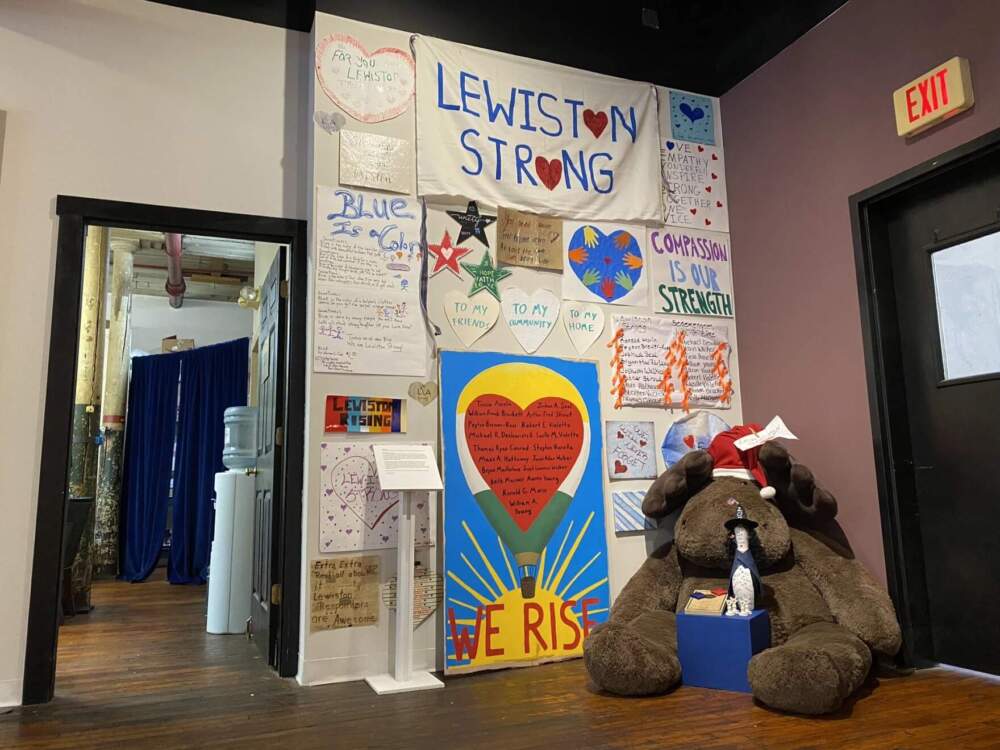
(205, 321)
(352, 653)
(130, 101)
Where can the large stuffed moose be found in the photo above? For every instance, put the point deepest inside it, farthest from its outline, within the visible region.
(828, 615)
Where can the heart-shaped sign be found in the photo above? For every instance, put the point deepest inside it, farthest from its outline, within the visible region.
(584, 323)
(512, 449)
(423, 393)
(470, 318)
(530, 317)
(609, 265)
(369, 86)
(355, 485)
(549, 172)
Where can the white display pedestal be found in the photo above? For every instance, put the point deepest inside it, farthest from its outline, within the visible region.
(410, 468)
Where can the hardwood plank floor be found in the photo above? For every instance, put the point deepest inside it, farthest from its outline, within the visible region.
(140, 672)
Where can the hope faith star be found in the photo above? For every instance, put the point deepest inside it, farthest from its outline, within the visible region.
(473, 223)
(447, 256)
(485, 276)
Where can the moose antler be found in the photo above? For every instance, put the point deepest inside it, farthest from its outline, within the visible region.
(796, 493)
(678, 483)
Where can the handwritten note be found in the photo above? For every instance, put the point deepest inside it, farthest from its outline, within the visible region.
(694, 180)
(670, 362)
(691, 272)
(355, 512)
(369, 86)
(530, 317)
(631, 451)
(376, 161)
(525, 239)
(367, 314)
(584, 322)
(343, 592)
(470, 318)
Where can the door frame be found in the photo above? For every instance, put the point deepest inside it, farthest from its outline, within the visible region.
(894, 472)
(74, 215)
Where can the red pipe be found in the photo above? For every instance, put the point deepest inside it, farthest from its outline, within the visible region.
(175, 285)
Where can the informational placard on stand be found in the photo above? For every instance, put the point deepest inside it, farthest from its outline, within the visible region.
(409, 468)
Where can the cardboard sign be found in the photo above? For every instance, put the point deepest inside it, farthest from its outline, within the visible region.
(933, 97)
(375, 161)
(343, 592)
(531, 240)
(365, 414)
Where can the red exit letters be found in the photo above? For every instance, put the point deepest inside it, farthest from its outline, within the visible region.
(935, 96)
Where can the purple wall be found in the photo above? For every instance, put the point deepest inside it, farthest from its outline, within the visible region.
(802, 134)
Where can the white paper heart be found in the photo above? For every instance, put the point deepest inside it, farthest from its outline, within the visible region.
(470, 318)
(530, 317)
(584, 322)
(424, 392)
(369, 86)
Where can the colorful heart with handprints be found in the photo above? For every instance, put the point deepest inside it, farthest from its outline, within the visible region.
(609, 265)
(692, 113)
(549, 172)
(347, 72)
(512, 450)
(595, 121)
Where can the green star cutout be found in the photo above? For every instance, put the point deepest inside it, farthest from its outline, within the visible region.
(485, 275)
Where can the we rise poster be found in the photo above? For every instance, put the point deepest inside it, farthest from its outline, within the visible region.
(535, 136)
(525, 555)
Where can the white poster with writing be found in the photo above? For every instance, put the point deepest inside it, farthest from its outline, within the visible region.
(534, 136)
(692, 161)
(376, 161)
(368, 259)
(369, 85)
(670, 362)
(691, 272)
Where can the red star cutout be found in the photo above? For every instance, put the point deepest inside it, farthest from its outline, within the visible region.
(446, 256)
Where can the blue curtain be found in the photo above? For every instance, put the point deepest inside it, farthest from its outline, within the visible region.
(213, 378)
(149, 442)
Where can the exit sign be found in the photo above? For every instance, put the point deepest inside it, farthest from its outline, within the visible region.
(933, 97)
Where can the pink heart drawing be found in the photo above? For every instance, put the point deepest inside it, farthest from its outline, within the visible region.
(369, 86)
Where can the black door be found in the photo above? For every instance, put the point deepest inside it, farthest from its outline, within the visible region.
(944, 250)
(266, 594)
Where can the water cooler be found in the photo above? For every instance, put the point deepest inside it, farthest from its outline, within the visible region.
(229, 579)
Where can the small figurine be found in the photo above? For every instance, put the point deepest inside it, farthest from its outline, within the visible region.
(731, 606)
(744, 580)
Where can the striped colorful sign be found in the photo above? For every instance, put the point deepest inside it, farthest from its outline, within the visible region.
(628, 512)
(365, 414)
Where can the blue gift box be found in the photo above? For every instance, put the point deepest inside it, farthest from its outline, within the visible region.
(715, 650)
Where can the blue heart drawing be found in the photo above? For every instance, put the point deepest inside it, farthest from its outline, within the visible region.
(670, 145)
(609, 265)
(692, 113)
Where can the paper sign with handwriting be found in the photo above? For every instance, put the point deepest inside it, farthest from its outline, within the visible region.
(525, 239)
(367, 314)
(470, 318)
(691, 272)
(369, 86)
(343, 592)
(534, 136)
(375, 161)
(584, 322)
(670, 362)
(692, 162)
(355, 512)
(530, 317)
(631, 451)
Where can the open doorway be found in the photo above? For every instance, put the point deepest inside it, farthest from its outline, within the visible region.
(189, 337)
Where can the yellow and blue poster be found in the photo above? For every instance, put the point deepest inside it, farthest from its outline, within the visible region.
(525, 554)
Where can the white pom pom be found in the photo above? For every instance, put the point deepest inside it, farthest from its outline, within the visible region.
(768, 493)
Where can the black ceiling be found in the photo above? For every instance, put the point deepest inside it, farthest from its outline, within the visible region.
(706, 46)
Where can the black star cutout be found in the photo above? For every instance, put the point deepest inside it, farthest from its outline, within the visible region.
(473, 223)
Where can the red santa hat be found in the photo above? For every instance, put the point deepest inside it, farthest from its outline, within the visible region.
(730, 461)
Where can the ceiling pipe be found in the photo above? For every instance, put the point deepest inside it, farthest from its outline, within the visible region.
(175, 285)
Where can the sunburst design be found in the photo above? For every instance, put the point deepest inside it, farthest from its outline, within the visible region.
(492, 596)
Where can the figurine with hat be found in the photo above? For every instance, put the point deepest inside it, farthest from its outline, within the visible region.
(744, 580)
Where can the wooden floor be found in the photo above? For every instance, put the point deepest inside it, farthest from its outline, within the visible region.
(140, 672)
